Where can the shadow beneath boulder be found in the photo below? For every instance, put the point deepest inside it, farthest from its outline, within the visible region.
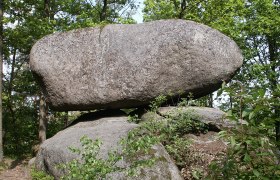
(92, 116)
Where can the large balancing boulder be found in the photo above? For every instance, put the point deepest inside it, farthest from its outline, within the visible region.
(123, 66)
(110, 130)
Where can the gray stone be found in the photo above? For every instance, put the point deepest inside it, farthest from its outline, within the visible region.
(109, 130)
(150, 115)
(211, 116)
(31, 162)
(123, 66)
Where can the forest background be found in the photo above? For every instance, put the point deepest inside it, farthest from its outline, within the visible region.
(253, 95)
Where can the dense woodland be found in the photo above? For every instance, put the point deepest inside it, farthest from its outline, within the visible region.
(253, 94)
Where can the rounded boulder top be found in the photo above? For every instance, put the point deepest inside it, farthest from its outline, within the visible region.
(124, 66)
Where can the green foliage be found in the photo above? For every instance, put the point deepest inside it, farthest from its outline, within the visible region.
(56, 122)
(3, 166)
(176, 124)
(134, 118)
(171, 132)
(183, 103)
(24, 23)
(197, 174)
(91, 166)
(157, 102)
(136, 149)
(250, 155)
(81, 13)
(183, 122)
(252, 150)
(253, 106)
(40, 175)
(163, 9)
(179, 151)
(253, 95)
(158, 9)
(20, 133)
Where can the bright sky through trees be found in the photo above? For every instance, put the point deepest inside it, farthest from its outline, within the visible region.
(138, 16)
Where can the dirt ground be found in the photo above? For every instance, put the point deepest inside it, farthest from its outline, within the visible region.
(16, 170)
(204, 149)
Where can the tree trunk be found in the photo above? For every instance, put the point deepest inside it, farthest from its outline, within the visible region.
(210, 100)
(66, 119)
(231, 101)
(1, 72)
(103, 11)
(49, 9)
(10, 103)
(12, 75)
(43, 119)
(43, 109)
(183, 8)
(273, 79)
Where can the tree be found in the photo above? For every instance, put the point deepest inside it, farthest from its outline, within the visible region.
(48, 15)
(1, 68)
(25, 22)
(254, 25)
(43, 119)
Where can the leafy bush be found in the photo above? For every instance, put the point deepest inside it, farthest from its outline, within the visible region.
(134, 118)
(157, 102)
(252, 151)
(184, 122)
(179, 151)
(138, 144)
(250, 155)
(3, 166)
(170, 132)
(172, 129)
(92, 166)
(40, 175)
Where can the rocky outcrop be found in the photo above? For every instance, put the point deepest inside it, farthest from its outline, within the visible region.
(109, 130)
(204, 147)
(123, 66)
(214, 118)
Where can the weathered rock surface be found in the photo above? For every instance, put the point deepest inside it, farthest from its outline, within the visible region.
(122, 66)
(211, 116)
(214, 118)
(109, 130)
(204, 147)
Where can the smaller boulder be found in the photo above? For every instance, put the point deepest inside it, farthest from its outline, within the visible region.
(110, 130)
(214, 118)
(31, 162)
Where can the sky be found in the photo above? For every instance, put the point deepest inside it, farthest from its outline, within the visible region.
(138, 16)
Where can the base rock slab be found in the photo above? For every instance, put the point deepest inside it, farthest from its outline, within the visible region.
(109, 130)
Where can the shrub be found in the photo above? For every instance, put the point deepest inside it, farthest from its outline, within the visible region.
(40, 175)
(92, 166)
(250, 155)
(170, 132)
(179, 150)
